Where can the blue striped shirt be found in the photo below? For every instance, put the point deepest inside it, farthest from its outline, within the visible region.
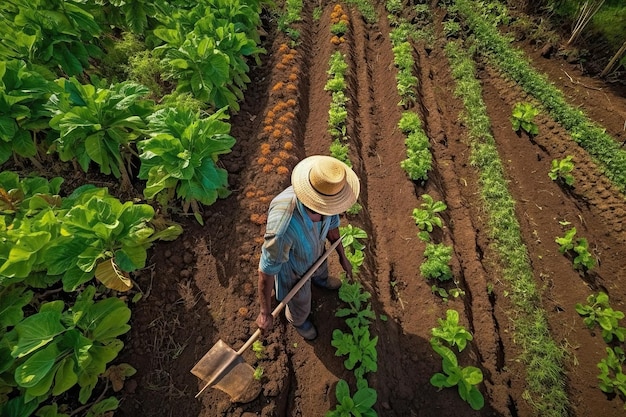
(293, 242)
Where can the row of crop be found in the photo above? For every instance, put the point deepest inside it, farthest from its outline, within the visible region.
(437, 256)
(419, 158)
(357, 344)
(203, 50)
(541, 355)
(601, 146)
(52, 348)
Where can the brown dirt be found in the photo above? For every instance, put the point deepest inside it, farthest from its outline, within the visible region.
(202, 287)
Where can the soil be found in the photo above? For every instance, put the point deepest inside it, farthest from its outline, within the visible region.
(201, 288)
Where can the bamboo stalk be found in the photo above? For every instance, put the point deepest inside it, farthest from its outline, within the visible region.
(613, 60)
(587, 10)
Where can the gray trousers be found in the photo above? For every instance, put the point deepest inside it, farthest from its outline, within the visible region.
(299, 307)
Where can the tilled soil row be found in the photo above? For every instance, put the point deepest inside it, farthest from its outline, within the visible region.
(542, 207)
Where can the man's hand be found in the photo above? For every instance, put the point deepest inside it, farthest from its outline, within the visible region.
(265, 322)
(346, 265)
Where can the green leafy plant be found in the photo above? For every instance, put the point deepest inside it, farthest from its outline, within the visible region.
(437, 262)
(598, 311)
(409, 122)
(580, 246)
(446, 294)
(355, 209)
(99, 124)
(523, 117)
(393, 6)
(612, 378)
(258, 373)
(258, 349)
(181, 156)
(359, 405)
(340, 151)
(450, 331)
(451, 28)
(55, 349)
(339, 29)
(352, 246)
(465, 378)
(426, 217)
(23, 93)
(61, 35)
(102, 237)
(206, 52)
(562, 170)
(358, 344)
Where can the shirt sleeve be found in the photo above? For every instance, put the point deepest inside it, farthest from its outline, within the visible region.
(274, 253)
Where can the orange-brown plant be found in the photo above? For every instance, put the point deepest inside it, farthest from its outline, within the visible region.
(282, 170)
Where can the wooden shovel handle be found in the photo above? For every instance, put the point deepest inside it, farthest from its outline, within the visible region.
(293, 292)
(277, 310)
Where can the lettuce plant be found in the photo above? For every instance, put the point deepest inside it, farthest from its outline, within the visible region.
(57, 348)
(465, 378)
(437, 262)
(522, 118)
(181, 156)
(23, 93)
(60, 34)
(612, 377)
(583, 259)
(450, 331)
(426, 217)
(597, 311)
(561, 170)
(359, 405)
(97, 227)
(99, 124)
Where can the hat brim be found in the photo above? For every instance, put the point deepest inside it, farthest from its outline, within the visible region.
(320, 203)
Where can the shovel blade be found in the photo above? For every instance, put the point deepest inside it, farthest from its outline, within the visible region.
(225, 370)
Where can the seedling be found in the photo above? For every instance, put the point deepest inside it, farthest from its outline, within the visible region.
(258, 373)
(446, 294)
(598, 311)
(352, 246)
(359, 405)
(583, 259)
(355, 209)
(340, 151)
(437, 262)
(561, 170)
(358, 345)
(612, 378)
(258, 349)
(523, 118)
(426, 217)
(450, 331)
(465, 378)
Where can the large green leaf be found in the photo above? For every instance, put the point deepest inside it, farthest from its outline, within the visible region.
(36, 331)
(106, 320)
(12, 302)
(36, 369)
(65, 377)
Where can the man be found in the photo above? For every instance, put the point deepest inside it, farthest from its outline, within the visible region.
(299, 221)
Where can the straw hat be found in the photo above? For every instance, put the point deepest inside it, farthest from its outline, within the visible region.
(325, 184)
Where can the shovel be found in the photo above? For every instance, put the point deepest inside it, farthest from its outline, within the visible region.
(225, 369)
